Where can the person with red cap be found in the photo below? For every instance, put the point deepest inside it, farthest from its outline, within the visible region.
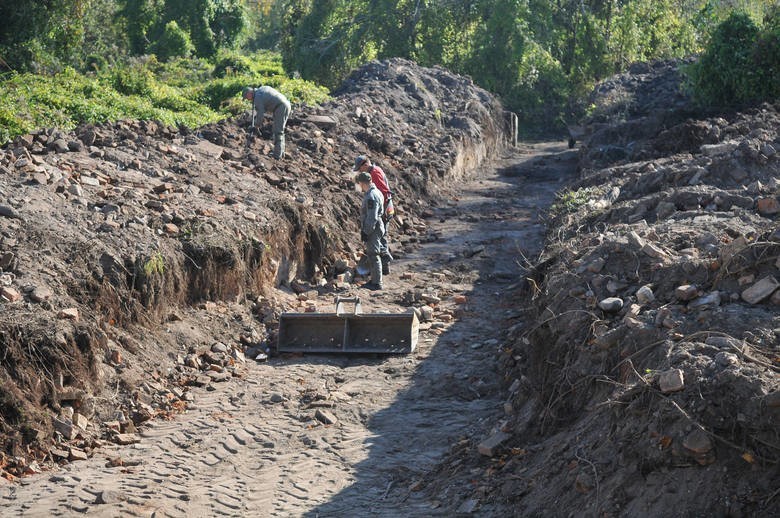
(379, 179)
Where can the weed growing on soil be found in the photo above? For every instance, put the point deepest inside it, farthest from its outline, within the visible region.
(569, 201)
(155, 264)
(188, 92)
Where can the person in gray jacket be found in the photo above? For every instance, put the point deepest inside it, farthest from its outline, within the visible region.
(372, 228)
(268, 100)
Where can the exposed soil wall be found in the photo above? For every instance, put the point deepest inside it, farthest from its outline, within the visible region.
(648, 378)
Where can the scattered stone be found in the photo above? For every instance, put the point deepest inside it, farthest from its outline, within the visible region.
(671, 381)
(699, 444)
(90, 181)
(125, 438)
(41, 294)
(170, 228)
(768, 206)
(635, 240)
(761, 290)
(468, 506)
(10, 294)
(431, 299)
(711, 299)
(492, 444)
(219, 376)
(200, 381)
(60, 145)
(407, 276)
(611, 304)
(69, 314)
(644, 295)
(718, 149)
(276, 398)
(653, 251)
(219, 347)
(80, 421)
(57, 452)
(596, 265)
(65, 427)
(665, 209)
(426, 313)
(746, 279)
(77, 454)
(460, 299)
(325, 416)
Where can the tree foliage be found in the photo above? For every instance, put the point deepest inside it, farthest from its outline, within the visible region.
(539, 55)
(741, 63)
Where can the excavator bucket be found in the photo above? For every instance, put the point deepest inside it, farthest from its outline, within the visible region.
(343, 332)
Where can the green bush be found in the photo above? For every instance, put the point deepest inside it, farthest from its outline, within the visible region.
(174, 42)
(178, 92)
(729, 72)
(232, 64)
(133, 80)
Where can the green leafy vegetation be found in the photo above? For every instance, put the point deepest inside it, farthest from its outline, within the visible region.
(155, 264)
(569, 201)
(542, 57)
(183, 61)
(741, 63)
(178, 92)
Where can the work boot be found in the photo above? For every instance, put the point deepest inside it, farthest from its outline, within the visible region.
(372, 286)
(386, 258)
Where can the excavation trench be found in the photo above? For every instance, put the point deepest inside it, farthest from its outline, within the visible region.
(334, 435)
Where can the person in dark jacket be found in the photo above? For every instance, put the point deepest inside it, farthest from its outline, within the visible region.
(363, 164)
(372, 228)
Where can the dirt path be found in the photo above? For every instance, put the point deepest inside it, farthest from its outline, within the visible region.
(255, 447)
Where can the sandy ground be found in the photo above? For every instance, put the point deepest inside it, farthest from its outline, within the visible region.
(255, 446)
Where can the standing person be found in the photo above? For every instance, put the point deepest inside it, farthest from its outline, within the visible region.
(372, 228)
(363, 164)
(268, 100)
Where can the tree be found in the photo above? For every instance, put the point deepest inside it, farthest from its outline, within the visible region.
(174, 42)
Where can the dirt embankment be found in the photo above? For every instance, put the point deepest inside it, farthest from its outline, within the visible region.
(647, 381)
(111, 230)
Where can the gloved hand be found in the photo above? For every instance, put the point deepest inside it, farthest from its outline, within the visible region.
(363, 236)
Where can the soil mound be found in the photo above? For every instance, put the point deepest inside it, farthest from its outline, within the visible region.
(647, 382)
(138, 259)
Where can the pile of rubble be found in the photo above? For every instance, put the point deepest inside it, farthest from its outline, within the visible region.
(652, 369)
(125, 246)
(646, 383)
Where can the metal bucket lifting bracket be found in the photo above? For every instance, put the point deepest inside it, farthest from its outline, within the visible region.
(348, 332)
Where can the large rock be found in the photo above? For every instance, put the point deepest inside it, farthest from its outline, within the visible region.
(491, 445)
(686, 292)
(761, 290)
(768, 206)
(671, 381)
(611, 304)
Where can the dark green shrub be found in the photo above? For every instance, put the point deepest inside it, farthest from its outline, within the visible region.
(133, 80)
(725, 73)
(232, 64)
(94, 63)
(174, 42)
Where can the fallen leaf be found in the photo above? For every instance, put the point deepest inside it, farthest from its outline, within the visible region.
(748, 457)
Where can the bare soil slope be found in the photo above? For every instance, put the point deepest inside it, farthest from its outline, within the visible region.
(111, 232)
(647, 383)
